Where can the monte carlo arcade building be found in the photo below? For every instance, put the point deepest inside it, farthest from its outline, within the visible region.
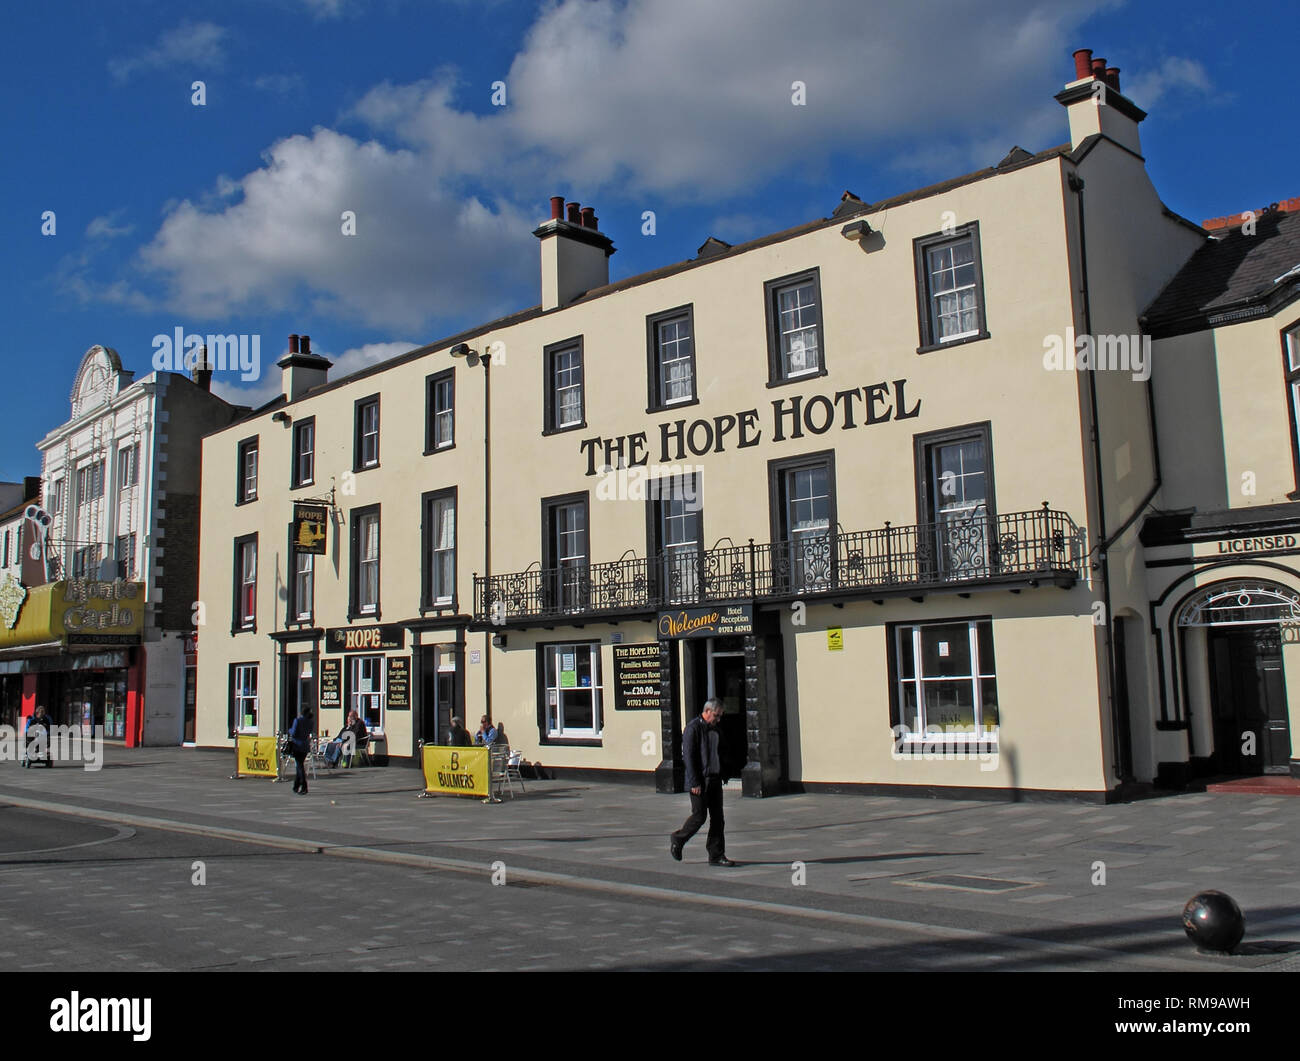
(827, 476)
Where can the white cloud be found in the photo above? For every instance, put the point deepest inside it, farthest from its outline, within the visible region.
(280, 84)
(1174, 74)
(199, 44)
(268, 386)
(419, 252)
(106, 227)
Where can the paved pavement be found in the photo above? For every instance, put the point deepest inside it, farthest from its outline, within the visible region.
(976, 884)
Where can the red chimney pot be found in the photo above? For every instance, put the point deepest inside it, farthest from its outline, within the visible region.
(306, 344)
(1082, 63)
(557, 207)
(1112, 77)
(573, 209)
(595, 221)
(1099, 69)
(588, 214)
(293, 344)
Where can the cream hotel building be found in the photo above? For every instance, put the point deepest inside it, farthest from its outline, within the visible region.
(986, 489)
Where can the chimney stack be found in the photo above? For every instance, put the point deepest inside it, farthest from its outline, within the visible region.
(201, 375)
(1095, 105)
(575, 253)
(300, 369)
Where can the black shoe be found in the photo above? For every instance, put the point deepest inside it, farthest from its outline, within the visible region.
(675, 849)
(723, 861)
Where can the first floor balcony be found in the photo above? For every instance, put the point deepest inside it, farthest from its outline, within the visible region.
(973, 551)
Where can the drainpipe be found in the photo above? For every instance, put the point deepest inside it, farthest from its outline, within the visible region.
(1076, 186)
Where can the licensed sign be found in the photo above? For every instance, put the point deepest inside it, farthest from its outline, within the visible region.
(331, 683)
(638, 673)
(309, 528)
(255, 756)
(724, 620)
(399, 683)
(457, 771)
(384, 638)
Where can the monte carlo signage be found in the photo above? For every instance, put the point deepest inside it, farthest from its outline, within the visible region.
(384, 638)
(80, 611)
(791, 418)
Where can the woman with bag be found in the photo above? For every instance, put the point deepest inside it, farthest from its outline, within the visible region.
(299, 746)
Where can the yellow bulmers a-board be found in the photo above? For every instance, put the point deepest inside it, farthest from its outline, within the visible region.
(460, 771)
(255, 756)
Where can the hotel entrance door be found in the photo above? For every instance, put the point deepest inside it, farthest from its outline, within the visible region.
(717, 668)
(1248, 692)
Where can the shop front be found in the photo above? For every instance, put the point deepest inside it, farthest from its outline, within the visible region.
(74, 648)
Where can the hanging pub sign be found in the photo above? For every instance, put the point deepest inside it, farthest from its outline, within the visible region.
(331, 683)
(399, 683)
(385, 638)
(638, 672)
(720, 621)
(309, 523)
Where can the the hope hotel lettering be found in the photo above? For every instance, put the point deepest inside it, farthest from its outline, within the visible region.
(363, 638)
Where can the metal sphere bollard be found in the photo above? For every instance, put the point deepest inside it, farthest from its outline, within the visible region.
(1213, 921)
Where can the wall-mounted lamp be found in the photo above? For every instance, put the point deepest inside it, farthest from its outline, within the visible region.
(498, 640)
(856, 231)
(463, 350)
(281, 417)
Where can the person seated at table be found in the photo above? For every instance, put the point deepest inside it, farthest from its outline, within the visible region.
(487, 733)
(459, 736)
(501, 734)
(358, 732)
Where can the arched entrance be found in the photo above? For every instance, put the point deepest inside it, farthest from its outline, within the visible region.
(1242, 623)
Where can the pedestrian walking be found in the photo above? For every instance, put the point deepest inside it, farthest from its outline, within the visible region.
(299, 747)
(701, 749)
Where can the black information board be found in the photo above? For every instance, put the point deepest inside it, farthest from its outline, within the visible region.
(331, 683)
(399, 683)
(638, 672)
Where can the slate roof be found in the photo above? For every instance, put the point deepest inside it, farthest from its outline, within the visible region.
(1233, 278)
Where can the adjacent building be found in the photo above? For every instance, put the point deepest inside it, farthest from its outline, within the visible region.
(100, 632)
(882, 483)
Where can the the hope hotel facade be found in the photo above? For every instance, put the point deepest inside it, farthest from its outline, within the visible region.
(835, 476)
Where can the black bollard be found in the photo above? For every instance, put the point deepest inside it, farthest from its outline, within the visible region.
(1213, 921)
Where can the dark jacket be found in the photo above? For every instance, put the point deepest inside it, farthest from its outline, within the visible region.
(300, 735)
(358, 730)
(701, 750)
(459, 738)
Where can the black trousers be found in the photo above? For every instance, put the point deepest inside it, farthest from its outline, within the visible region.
(707, 804)
(300, 774)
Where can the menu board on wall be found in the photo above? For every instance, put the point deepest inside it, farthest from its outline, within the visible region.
(331, 683)
(638, 671)
(399, 683)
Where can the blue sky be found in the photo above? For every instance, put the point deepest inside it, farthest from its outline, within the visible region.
(226, 217)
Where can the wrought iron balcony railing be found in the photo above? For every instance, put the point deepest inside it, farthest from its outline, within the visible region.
(963, 551)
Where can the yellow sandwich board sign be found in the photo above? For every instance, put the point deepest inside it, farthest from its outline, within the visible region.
(459, 771)
(256, 756)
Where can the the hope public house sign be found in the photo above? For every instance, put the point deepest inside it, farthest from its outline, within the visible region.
(792, 418)
(365, 638)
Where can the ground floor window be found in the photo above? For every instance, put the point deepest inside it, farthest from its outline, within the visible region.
(571, 680)
(89, 699)
(946, 679)
(244, 696)
(366, 689)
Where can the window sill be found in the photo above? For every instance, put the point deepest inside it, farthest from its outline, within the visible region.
(955, 342)
(562, 430)
(236, 630)
(789, 381)
(245, 500)
(354, 616)
(573, 742)
(357, 469)
(651, 409)
(303, 485)
(439, 449)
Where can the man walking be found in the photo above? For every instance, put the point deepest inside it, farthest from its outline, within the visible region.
(700, 750)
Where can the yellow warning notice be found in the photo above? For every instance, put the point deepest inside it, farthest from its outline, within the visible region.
(835, 639)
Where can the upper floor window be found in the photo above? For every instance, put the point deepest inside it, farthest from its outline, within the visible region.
(440, 412)
(304, 452)
(365, 562)
(245, 610)
(803, 514)
(794, 327)
(247, 484)
(950, 287)
(128, 471)
(304, 578)
(954, 476)
(564, 377)
(671, 343)
(367, 433)
(90, 483)
(1291, 371)
(85, 562)
(57, 491)
(126, 556)
(439, 548)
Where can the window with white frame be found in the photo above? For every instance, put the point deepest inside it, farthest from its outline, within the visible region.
(366, 689)
(90, 483)
(1291, 372)
(85, 562)
(304, 452)
(564, 397)
(128, 472)
(950, 286)
(672, 352)
(246, 584)
(367, 433)
(440, 548)
(441, 413)
(946, 680)
(572, 690)
(126, 556)
(365, 552)
(247, 486)
(304, 584)
(798, 316)
(57, 490)
(245, 697)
